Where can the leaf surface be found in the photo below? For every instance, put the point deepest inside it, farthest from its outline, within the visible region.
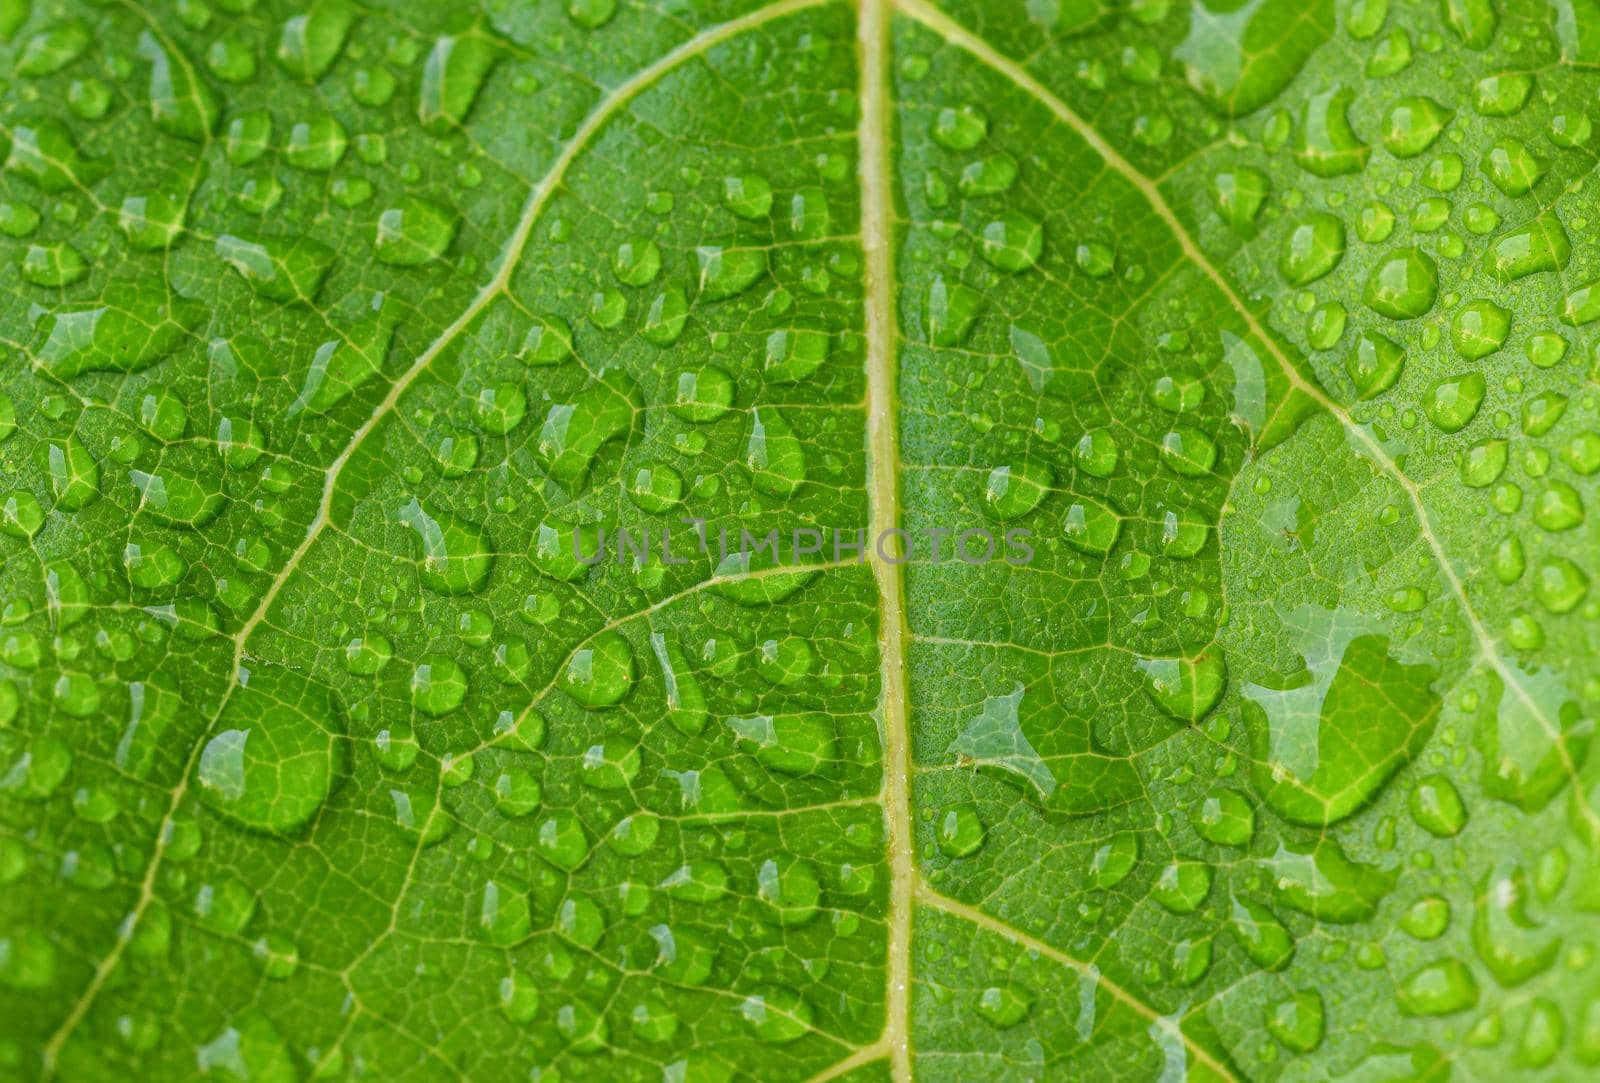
(436, 640)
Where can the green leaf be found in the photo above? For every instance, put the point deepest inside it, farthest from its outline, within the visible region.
(798, 540)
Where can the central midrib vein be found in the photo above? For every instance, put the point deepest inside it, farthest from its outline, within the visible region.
(883, 476)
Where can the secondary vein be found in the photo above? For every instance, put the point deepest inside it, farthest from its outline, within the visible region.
(983, 920)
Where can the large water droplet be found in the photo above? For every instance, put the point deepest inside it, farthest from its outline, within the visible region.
(1238, 57)
(451, 79)
(456, 554)
(310, 43)
(1185, 688)
(1326, 144)
(1440, 988)
(284, 269)
(413, 232)
(276, 754)
(1321, 881)
(1403, 284)
(600, 673)
(1541, 245)
(1328, 736)
(1413, 125)
(574, 431)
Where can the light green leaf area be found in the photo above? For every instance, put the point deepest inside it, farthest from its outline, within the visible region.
(328, 327)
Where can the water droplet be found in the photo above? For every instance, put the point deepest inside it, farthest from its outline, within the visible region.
(124, 333)
(959, 128)
(225, 906)
(279, 268)
(1513, 168)
(232, 58)
(276, 956)
(21, 515)
(1511, 944)
(991, 175)
(1312, 248)
(1451, 402)
(703, 394)
(1479, 329)
(636, 262)
(561, 840)
(1413, 125)
(950, 312)
(697, 882)
(518, 995)
(790, 888)
(774, 454)
(1188, 451)
(1182, 886)
(776, 1014)
(452, 76)
(1090, 527)
(1298, 1021)
(438, 684)
(725, 272)
(1403, 284)
(1327, 145)
(1541, 245)
(591, 14)
(1224, 817)
(1239, 58)
(1427, 918)
(548, 342)
(960, 831)
(456, 555)
(600, 673)
(794, 353)
(1321, 881)
(1437, 806)
(276, 754)
(748, 195)
(666, 317)
(573, 432)
(1239, 195)
(1262, 936)
(1013, 491)
(1473, 21)
(1440, 988)
(1005, 1005)
(1114, 860)
(1560, 585)
(1375, 364)
(38, 769)
(52, 49)
(503, 913)
(44, 154)
(53, 265)
(413, 232)
(1582, 453)
(1558, 507)
(793, 744)
(1185, 688)
(1328, 736)
(1012, 242)
(310, 43)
